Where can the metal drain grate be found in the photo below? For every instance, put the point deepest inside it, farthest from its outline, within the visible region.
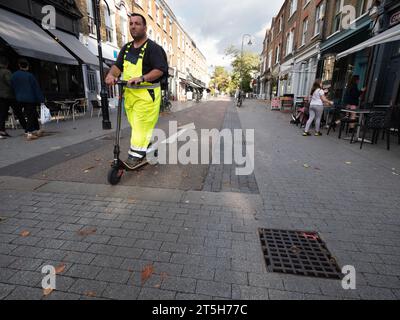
(298, 252)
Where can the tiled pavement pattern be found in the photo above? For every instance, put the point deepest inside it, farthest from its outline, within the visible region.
(211, 251)
(350, 196)
(223, 178)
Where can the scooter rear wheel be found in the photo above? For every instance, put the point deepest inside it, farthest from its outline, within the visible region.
(114, 176)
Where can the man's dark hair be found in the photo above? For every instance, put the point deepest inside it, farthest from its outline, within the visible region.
(23, 63)
(139, 15)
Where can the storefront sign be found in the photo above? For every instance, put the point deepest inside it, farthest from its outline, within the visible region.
(395, 19)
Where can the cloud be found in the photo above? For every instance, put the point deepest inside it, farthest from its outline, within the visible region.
(215, 25)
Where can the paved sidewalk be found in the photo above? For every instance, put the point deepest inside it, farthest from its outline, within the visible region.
(63, 134)
(147, 243)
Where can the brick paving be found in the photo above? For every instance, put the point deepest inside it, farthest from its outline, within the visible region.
(205, 246)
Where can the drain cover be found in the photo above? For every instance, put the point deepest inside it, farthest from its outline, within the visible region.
(298, 252)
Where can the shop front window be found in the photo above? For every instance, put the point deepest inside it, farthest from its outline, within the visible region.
(329, 65)
(48, 77)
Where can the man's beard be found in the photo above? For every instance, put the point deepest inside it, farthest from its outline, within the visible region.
(140, 37)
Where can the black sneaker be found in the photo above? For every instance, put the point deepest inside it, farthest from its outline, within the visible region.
(306, 134)
(318, 134)
(134, 162)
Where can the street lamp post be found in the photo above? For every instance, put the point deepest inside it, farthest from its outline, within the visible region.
(241, 59)
(103, 92)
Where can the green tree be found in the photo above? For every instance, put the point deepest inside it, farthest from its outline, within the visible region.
(220, 80)
(248, 64)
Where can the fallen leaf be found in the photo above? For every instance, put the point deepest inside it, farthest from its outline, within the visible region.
(317, 168)
(46, 292)
(25, 234)
(87, 232)
(60, 269)
(306, 166)
(157, 286)
(147, 272)
(393, 169)
(88, 169)
(348, 163)
(396, 174)
(90, 294)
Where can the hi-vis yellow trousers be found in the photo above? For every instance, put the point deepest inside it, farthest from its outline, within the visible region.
(142, 106)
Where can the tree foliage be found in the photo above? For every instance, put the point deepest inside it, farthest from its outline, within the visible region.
(248, 64)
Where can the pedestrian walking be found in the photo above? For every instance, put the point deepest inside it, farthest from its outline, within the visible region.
(7, 99)
(28, 96)
(143, 63)
(317, 102)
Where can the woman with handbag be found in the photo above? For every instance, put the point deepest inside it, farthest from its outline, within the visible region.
(317, 102)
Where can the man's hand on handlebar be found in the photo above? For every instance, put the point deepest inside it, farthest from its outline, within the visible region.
(111, 80)
(135, 81)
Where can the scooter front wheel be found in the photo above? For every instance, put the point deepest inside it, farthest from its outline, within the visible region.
(114, 176)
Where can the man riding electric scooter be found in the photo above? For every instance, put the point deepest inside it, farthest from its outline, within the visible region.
(143, 64)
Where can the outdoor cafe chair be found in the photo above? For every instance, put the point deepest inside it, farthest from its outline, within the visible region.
(376, 121)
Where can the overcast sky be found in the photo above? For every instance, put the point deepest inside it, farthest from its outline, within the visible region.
(216, 24)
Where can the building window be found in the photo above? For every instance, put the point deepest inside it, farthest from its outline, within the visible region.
(338, 16)
(289, 42)
(165, 23)
(139, 3)
(158, 40)
(305, 30)
(170, 28)
(329, 65)
(109, 26)
(269, 59)
(151, 33)
(363, 6)
(319, 16)
(150, 8)
(91, 24)
(280, 24)
(306, 2)
(124, 27)
(158, 15)
(183, 42)
(293, 7)
(277, 53)
(92, 81)
(179, 39)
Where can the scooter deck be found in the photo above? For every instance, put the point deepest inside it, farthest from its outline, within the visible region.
(138, 166)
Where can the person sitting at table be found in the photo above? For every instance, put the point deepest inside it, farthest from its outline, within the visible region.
(352, 97)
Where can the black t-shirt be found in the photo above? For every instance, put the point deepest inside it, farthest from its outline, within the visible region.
(154, 58)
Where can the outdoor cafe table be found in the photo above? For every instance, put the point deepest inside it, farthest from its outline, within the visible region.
(70, 104)
(361, 113)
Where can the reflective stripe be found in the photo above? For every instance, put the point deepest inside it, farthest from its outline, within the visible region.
(136, 155)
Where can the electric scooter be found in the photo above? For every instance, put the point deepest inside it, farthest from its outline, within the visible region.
(118, 167)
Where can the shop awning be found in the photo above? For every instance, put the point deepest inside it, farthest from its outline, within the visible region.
(393, 34)
(29, 40)
(73, 44)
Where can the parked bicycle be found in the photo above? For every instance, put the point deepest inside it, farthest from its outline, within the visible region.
(166, 105)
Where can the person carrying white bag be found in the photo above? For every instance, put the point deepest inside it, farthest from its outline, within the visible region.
(45, 115)
(28, 96)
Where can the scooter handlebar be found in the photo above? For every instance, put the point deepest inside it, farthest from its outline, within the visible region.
(123, 83)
